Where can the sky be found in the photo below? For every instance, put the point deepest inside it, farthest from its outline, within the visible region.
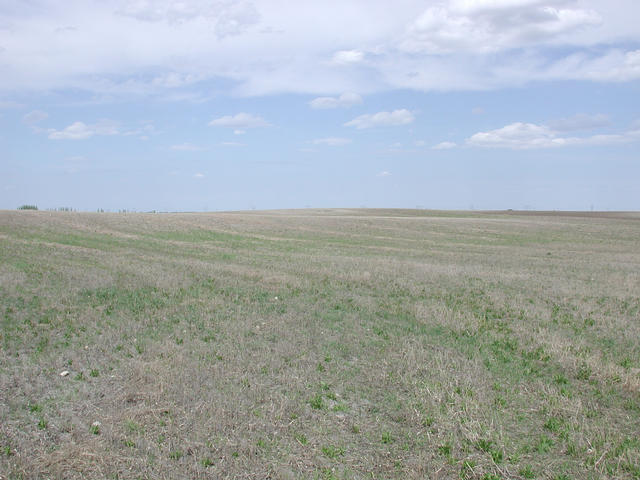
(236, 104)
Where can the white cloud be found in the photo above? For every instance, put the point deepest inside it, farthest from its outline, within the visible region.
(332, 141)
(419, 143)
(493, 25)
(521, 136)
(444, 146)
(382, 119)
(186, 147)
(383, 174)
(186, 50)
(198, 175)
(239, 132)
(174, 80)
(515, 135)
(35, 116)
(347, 57)
(345, 100)
(239, 121)
(615, 66)
(226, 17)
(75, 131)
(81, 131)
(232, 144)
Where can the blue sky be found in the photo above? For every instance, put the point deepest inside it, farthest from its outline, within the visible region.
(227, 105)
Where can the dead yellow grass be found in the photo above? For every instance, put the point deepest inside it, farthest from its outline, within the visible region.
(320, 344)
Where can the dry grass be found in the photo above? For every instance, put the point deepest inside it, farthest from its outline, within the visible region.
(323, 344)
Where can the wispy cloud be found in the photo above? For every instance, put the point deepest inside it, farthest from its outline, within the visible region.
(224, 18)
(82, 131)
(444, 146)
(383, 174)
(143, 133)
(34, 117)
(521, 136)
(332, 141)
(186, 147)
(174, 80)
(240, 121)
(344, 100)
(382, 119)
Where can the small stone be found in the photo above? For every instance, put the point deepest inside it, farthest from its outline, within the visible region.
(64, 373)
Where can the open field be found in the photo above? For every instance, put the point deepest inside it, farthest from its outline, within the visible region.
(328, 344)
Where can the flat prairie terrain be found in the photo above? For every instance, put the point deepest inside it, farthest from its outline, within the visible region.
(320, 344)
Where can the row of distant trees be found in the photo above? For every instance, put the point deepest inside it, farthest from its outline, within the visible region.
(71, 209)
(59, 209)
(35, 207)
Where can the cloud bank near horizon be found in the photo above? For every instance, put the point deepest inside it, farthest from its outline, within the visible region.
(161, 47)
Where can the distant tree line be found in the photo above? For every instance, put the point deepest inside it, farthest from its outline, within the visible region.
(62, 209)
(71, 209)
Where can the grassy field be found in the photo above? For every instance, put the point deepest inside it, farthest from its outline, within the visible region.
(320, 344)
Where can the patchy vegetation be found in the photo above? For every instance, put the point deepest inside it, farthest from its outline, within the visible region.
(319, 344)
